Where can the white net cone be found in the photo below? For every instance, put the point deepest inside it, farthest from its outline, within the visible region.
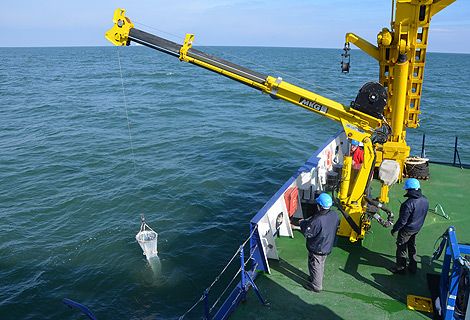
(148, 240)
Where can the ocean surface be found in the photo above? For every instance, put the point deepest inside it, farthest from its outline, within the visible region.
(202, 155)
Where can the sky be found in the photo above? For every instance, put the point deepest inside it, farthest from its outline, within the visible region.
(286, 23)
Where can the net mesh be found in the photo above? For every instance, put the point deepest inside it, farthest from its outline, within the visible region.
(148, 240)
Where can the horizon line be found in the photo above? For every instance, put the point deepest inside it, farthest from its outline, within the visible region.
(233, 46)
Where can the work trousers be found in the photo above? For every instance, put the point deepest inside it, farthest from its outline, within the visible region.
(406, 246)
(316, 267)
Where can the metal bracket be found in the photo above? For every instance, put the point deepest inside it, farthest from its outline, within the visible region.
(188, 43)
(275, 86)
(119, 33)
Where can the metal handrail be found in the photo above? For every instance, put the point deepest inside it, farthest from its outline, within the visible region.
(241, 270)
(456, 160)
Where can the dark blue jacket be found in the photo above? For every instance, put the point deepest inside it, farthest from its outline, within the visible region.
(320, 231)
(412, 212)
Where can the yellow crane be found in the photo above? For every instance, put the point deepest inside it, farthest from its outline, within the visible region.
(401, 54)
(395, 99)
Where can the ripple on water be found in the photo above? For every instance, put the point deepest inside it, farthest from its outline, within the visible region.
(208, 153)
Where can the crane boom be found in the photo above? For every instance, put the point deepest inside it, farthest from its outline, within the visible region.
(395, 99)
(363, 121)
(123, 32)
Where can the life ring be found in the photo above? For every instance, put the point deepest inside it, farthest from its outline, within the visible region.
(329, 159)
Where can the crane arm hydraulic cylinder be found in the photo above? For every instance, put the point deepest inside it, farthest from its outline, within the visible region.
(193, 55)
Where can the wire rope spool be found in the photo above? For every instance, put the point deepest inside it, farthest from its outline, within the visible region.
(416, 167)
(371, 99)
(147, 239)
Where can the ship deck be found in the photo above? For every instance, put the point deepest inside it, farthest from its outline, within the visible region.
(357, 284)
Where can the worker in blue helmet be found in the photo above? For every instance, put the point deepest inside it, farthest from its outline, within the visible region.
(412, 215)
(319, 231)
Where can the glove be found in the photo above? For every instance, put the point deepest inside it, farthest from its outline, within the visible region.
(392, 232)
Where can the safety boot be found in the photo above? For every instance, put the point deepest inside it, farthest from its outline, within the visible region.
(413, 267)
(397, 270)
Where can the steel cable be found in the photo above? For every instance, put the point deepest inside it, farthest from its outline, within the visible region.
(340, 94)
(225, 290)
(233, 257)
(220, 274)
(125, 106)
(191, 309)
(251, 254)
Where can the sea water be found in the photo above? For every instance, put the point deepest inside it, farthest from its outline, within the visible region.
(206, 154)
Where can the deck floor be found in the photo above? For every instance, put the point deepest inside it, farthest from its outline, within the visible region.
(357, 284)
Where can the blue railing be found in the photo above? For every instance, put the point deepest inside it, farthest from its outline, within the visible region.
(219, 305)
(256, 261)
(246, 275)
(452, 268)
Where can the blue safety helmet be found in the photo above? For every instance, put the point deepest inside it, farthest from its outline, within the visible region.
(354, 142)
(411, 183)
(325, 201)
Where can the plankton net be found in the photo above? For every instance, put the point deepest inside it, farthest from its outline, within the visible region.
(147, 239)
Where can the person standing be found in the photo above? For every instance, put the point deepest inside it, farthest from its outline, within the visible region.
(319, 231)
(357, 154)
(412, 215)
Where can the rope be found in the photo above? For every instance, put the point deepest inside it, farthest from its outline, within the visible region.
(234, 277)
(191, 309)
(251, 235)
(416, 167)
(225, 268)
(125, 106)
(145, 227)
(239, 270)
(442, 213)
(225, 290)
(235, 300)
(438, 251)
(416, 161)
(233, 257)
(222, 272)
(251, 255)
(463, 292)
(143, 224)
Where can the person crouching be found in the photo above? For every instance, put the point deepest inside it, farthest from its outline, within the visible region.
(319, 231)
